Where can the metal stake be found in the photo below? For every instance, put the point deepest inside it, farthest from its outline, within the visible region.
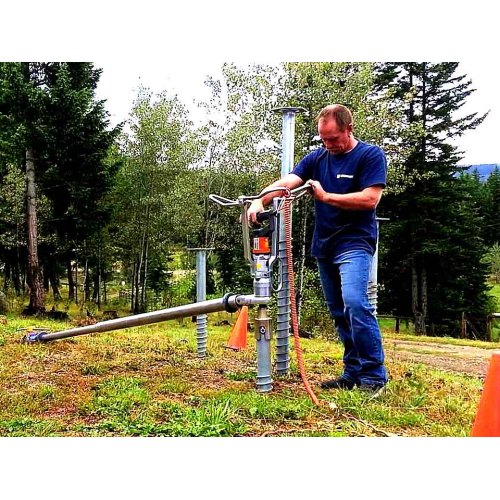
(201, 295)
(283, 313)
(373, 278)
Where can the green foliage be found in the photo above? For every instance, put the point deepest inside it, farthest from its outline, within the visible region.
(118, 396)
(315, 317)
(492, 259)
(50, 108)
(431, 250)
(146, 217)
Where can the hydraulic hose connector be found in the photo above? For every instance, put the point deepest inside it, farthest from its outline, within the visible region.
(34, 336)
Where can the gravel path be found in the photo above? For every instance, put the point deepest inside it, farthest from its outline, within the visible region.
(454, 358)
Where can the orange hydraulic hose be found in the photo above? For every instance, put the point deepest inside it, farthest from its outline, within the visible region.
(293, 305)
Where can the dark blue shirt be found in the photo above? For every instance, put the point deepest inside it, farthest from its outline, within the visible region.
(337, 230)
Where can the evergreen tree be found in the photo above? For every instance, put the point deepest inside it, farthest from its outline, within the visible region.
(23, 140)
(79, 172)
(491, 209)
(432, 248)
(55, 131)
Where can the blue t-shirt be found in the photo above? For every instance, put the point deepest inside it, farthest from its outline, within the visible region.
(338, 230)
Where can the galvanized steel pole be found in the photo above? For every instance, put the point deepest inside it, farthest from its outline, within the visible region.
(201, 295)
(373, 278)
(283, 299)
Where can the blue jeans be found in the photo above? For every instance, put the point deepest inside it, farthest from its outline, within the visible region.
(345, 285)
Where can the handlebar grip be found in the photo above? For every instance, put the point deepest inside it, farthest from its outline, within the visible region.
(263, 216)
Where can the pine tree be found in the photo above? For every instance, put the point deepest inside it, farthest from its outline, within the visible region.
(54, 130)
(432, 247)
(491, 209)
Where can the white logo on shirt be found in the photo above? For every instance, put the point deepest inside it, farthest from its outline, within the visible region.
(344, 176)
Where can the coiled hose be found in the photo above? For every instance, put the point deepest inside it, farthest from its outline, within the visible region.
(293, 304)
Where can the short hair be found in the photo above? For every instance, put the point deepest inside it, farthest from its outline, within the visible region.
(337, 112)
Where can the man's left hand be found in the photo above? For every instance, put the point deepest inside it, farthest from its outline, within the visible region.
(317, 191)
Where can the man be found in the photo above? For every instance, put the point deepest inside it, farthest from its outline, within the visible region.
(347, 177)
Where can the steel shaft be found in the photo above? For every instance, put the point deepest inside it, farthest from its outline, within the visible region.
(229, 303)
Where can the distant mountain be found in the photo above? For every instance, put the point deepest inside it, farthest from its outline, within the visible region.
(483, 169)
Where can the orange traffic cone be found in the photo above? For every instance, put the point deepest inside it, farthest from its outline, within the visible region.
(487, 422)
(238, 338)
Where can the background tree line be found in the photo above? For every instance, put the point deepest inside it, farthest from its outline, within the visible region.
(77, 194)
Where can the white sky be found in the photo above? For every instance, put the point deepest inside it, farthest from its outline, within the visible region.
(120, 81)
(173, 46)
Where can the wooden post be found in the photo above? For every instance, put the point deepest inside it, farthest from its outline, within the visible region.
(463, 330)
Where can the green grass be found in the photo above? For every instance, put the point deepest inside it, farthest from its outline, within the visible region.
(495, 292)
(149, 381)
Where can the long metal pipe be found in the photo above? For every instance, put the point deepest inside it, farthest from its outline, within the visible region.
(229, 303)
(283, 299)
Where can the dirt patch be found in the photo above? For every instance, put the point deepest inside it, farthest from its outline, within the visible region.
(453, 358)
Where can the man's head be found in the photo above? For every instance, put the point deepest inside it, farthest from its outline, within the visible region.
(335, 125)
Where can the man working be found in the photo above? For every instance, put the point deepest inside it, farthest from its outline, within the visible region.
(347, 177)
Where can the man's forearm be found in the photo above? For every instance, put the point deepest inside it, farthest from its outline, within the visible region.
(353, 201)
(291, 181)
(367, 199)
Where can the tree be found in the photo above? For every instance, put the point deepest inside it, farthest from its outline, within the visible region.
(492, 258)
(55, 131)
(491, 208)
(433, 227)
(157, 152)
(24, 138)
(80, 170)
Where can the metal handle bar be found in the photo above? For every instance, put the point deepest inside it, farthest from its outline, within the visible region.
(223, 201)
(296, 193)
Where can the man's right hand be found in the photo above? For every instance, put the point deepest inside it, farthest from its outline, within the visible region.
(255, 208)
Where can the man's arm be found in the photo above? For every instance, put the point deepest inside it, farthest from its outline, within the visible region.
(367, 199)
(291, 181)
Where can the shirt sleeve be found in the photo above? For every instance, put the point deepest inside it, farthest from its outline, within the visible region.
(374, 171)
(305, 168)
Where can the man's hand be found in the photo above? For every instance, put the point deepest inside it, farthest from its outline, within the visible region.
(255, 208)
(317, 191)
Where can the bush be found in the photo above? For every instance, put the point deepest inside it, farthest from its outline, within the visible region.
(315, 317)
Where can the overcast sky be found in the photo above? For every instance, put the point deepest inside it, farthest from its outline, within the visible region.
(173, 46)
(120, 81)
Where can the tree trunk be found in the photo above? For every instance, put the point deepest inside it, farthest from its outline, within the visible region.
(138, 267)
(132, 288)
(71, 281)
(145, 277)
(76, 280)
(419, 297)
(54, 284)
(99, 272)
(33, 278)
(87, 282)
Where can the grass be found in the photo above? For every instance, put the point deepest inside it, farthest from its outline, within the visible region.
(149, 381)
(495, 292)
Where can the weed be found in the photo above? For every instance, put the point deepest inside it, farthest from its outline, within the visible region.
(117, 396)
(47, 392)
(21, 427)
(240, 375)
(93, 369)
(173, 387)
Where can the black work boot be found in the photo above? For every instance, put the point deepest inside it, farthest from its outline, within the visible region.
(338, 383)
